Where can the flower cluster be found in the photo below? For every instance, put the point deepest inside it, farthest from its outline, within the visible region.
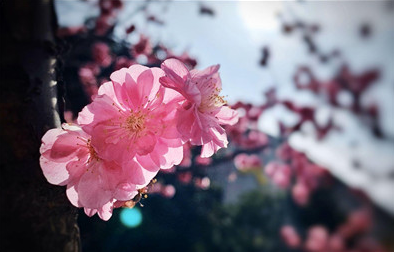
(137, 124)
(352, 235)
(244, 162)
(293, 166)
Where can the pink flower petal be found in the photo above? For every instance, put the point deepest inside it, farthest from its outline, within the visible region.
(54, 172)
(227, 116)
(90, 212)
(72, 195)
(90, 190)
(105, 212)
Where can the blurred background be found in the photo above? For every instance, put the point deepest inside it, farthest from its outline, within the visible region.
(310, 164)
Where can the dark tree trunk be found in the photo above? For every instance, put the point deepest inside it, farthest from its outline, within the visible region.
(34, 215)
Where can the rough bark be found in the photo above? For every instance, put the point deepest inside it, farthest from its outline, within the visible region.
(34, 215)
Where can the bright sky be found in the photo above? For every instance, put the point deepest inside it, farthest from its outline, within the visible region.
(234, 38)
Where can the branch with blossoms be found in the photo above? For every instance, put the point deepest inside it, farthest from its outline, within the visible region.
(291, 170)
(172, 119)
(135, 127)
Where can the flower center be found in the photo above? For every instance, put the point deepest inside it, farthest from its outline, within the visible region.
(135, 122)
(212, 100)
(92, 153)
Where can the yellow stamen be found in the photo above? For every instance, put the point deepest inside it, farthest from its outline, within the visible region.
(135, 122)
(92, 152)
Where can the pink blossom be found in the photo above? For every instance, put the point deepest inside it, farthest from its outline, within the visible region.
(284, 152)
(168, 191)
(187, 155)
(69, 116)
(290, 236)
(110, 6)
(244, 162)
(202, 183)
(254, 139)
(345, 231)
(205, 161)
(298, 162)
(143, 47)
(336, 243)
(254, 113)
(241, 161)
(133, 118)
(103, 23)
(358, 221)
(271, 168)
(300, 193)
(236, 132)
(123, 62)
(156, 188)
(101, 54)
(87, 75)
(185, 177)
(312, 175)
(282, 177)
(317, 239)
(279, 173)
(203, 110)
(367, 243)
(68, 158)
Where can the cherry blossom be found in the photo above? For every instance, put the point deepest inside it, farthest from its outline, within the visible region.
(203, 111)
(244, 162)
(317, 239)
(133, 117)
(290, 236)
(300, 193)
(68, 158)
(204, 161)
(101, 54)
(143, 46)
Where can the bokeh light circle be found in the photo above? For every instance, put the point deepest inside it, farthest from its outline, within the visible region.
(131, 217)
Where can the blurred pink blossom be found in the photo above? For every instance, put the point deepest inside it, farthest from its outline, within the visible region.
(185, 177)
(284, 152)
(317, 239)
(103, 24)
(168, 191)
(101, 54)
(187, 156)
(69, 116)
(279, 173)
(300, 193)
(205, 161)
(143, 47)
(282, 177)
(336, 243)
(245, 162)
(123, 62)
(290, 236)
(202, 183)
